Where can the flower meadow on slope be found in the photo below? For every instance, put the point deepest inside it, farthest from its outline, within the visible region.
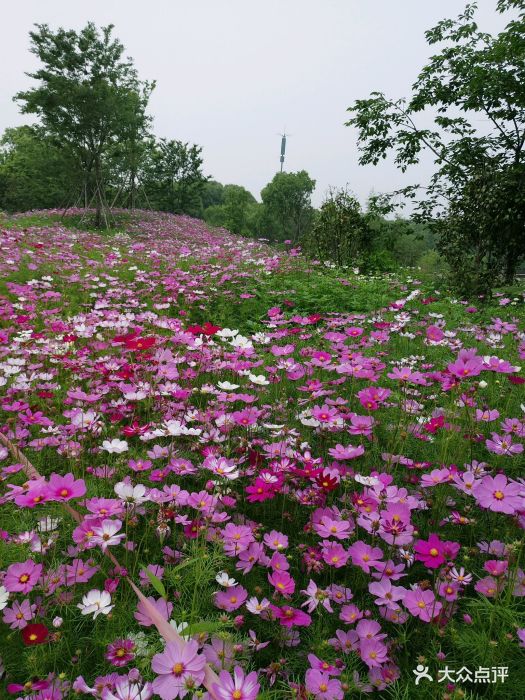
(317, 502)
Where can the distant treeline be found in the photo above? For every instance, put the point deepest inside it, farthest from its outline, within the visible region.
(38, 173)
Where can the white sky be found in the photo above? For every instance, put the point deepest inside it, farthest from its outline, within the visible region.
(231, 74)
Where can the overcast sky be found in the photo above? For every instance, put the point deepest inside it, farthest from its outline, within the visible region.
(231, 74)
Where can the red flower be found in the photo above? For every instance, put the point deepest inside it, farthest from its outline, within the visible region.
(209, 329)
(206, 329)
(515, 379)
(139, 343)
(326, 482)
(34, 634)
(135, 429)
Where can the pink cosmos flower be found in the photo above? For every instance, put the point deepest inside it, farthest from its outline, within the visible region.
(164, 607)
(236, 687)
(373, 652)
(350, 614)
(365, 556)
(345, 641)
(322, 686)
(498, 494)
(467, 364)
(340, 529)
(422, 604)
(19, 614)
(180, 668)
(503, 445)
(334, 554)
(127, 689)
(231, 599)
(316, 596)
(282, 582)
(435, 334)
(291, 617)
(347, 452)
(64, 488)
(488, 586)
(386, 593)
(276, 540)
(36, 493)
(22, 576)
(486, 415)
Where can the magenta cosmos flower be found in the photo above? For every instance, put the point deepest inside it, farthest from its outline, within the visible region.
(498, 494)
(22, 577)
(322, 686)
(120, 652)
(238, 687)
(430, 552)
(291, 617)
(180, 668)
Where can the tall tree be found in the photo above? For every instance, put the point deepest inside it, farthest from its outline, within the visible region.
(236, 212)
(88, 98)
(174, 179)
(34, 172)
(475, 89)
(287, 205)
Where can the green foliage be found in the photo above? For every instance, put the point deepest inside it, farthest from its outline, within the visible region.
(287, 210)
(34, 172)
(477, 191)
(88, 98)
(173, 178)
(341, 233)
(237, 211)
(212, 194)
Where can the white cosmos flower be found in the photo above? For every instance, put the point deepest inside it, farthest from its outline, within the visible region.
(96, 602)
(367, 480)
(226, 333)
(48, 524)
(106, 534)
(180, 627)
(223, 579)
(4, 597)
(255, 607)
(115, 446)
(261, 338)
(241, 342)
(227, 386)
(259, 379)
(131, 494)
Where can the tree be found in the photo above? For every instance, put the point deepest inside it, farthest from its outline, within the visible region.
(342, 233)
(474, 78)
(174, 180)
(287, 204)
(212, 194)
(34, 172)
(88, 98)
(237, 211)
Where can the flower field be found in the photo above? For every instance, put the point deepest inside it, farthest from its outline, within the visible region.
(229, 473)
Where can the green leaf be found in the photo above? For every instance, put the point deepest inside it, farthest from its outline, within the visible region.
(209, 626)
(156, 583)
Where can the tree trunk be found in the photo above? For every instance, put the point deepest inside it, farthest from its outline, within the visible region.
(98, 185)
